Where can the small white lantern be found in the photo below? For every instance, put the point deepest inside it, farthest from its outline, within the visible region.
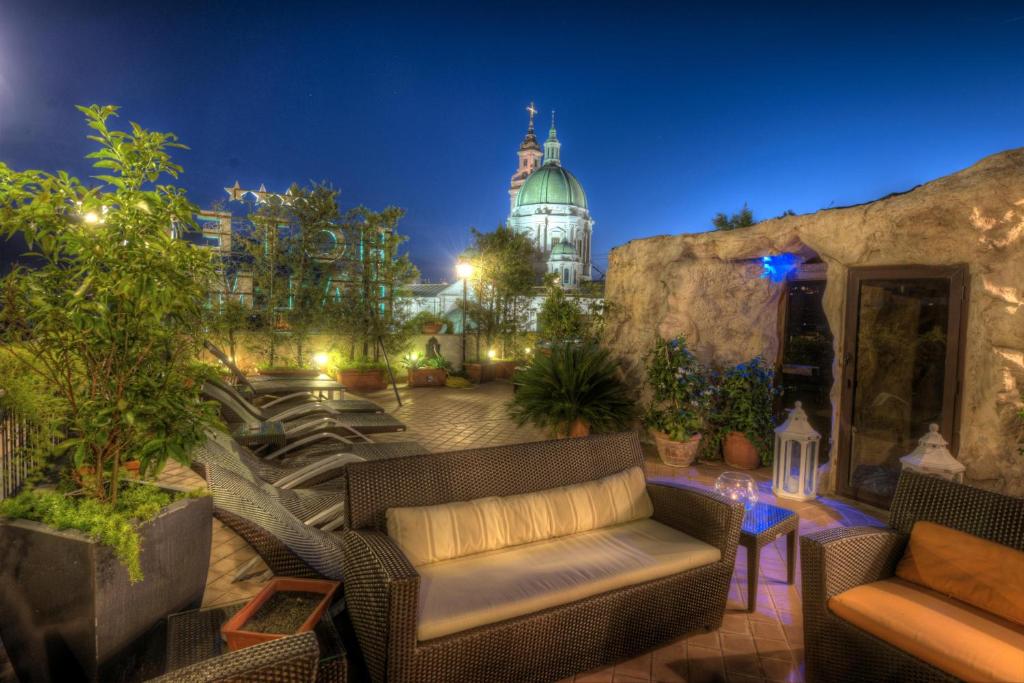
(796, 457)
(932, 457)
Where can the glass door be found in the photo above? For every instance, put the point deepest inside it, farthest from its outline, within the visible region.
(901, 371)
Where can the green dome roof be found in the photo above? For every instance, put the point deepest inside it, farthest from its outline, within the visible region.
(551, 184)
(563, 249)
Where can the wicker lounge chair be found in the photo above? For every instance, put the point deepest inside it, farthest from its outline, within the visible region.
(383, 589)
(837, 560)
(290, 660)
(277, 392)
(257, 514)
(300, 420)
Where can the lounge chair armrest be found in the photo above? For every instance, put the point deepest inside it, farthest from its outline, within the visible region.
(298, 429)
(381, 594)
(304, 410)
(298, 398)
(703, 514)
(305, 441)
(295, 658)
(836, 560)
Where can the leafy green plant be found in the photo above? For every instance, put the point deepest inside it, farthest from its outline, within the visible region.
(412, 361)
(360, 364)
(573, 382)
(746, 395)
(112, 524)
(682, 392)
(428, 318)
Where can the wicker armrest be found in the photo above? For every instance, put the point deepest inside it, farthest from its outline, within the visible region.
(836, 560)
(381, 592)
(294, 658)
(702, 514)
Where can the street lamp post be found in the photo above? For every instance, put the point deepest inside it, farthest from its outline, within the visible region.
(464, 271)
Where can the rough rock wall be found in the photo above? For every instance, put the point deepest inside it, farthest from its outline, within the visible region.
(707, 287)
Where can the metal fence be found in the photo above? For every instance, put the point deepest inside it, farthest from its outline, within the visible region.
(16, 459)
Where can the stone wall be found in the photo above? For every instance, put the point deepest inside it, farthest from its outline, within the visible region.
(707, 287)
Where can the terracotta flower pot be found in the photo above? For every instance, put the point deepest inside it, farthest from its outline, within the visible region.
(739, 452)
(676, 453)
(480, 372)
(431, 328)
(132, 468)
(577, 428)
(427, 377)
(234, 629)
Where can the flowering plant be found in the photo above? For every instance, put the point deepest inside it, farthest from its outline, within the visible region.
(746, 396)
(682, 390)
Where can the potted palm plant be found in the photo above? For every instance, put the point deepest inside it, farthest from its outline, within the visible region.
(681, 397)
(426, 372)
(106, 323)
(745, 417)
(574, 391)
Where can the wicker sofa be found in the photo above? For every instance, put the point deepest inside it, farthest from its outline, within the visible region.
(836, 561)
(385, 593)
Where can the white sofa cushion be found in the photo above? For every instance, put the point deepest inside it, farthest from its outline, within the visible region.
(486, 588)
(435, 533)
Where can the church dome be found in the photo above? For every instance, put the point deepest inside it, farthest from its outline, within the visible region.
(563, 251)
(551, 184)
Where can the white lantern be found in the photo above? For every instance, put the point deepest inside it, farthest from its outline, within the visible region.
(932, 457)
(796, 457)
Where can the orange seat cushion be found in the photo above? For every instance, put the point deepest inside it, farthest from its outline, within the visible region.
(957, 638)
(982, 573)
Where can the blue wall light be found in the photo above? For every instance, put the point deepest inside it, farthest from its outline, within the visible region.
(778, 266)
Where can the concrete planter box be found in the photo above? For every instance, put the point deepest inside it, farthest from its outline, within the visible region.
(427, 377)
(67, 609)
(480, 372)
(362, 380)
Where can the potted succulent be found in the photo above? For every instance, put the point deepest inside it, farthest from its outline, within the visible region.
(429, 322)
(681, 398)
(284, 607)
(745, 418)
(362, 375)
(104, 324)
(426, 372)
(574, 391)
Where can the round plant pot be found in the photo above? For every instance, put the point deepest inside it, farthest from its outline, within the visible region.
(360, 381)
(676, 453)
(578, 428)
(739, 452)
(431, 328)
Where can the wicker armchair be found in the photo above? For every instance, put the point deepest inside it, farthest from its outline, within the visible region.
(289, 660)
(381, 586)
(836, 560)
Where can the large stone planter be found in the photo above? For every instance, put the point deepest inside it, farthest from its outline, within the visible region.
(676, 453)
(361, 381)
(479, 373)
(427, 377)
(67, 609)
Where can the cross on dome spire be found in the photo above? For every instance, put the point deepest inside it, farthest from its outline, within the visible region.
(533, 110)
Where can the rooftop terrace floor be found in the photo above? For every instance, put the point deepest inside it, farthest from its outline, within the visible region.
(766, 645)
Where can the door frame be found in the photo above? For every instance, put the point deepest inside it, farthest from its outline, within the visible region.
(959, 279)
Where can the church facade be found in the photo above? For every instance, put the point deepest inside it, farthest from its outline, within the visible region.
(547, 202)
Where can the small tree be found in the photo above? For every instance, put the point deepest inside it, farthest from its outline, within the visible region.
(107, 319)
(266, 247)
(742, 219)
(571, 314)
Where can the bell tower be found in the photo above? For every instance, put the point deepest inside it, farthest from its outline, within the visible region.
(529, 160)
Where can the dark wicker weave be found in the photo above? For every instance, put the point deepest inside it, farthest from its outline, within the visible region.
(381, 586)
(258, 514)
(836, 560)
(291, 659)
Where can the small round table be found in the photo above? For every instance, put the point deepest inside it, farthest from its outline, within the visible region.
(762, 525)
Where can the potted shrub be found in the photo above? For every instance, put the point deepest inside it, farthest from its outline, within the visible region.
(745, 418)
(105, 325)
(284, 607)
(574, 391)
(426, 372)
(362, 375)
(429, 322)
(681, 393)
(480, 372)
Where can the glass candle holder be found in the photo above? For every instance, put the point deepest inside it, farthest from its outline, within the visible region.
(738, 486)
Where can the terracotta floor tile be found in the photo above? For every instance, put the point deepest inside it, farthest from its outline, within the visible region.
(770, 630)
(638, 667)
(733, 643)
(775, 649)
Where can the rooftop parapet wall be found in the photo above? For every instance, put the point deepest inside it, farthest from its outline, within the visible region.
(707, 286)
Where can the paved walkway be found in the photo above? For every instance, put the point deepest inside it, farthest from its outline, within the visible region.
(766, 645)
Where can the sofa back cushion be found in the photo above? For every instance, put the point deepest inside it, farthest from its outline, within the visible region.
(376, 486)
(982, 573)
(441, 532)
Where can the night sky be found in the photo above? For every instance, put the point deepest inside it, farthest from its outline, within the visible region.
(667, 114)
